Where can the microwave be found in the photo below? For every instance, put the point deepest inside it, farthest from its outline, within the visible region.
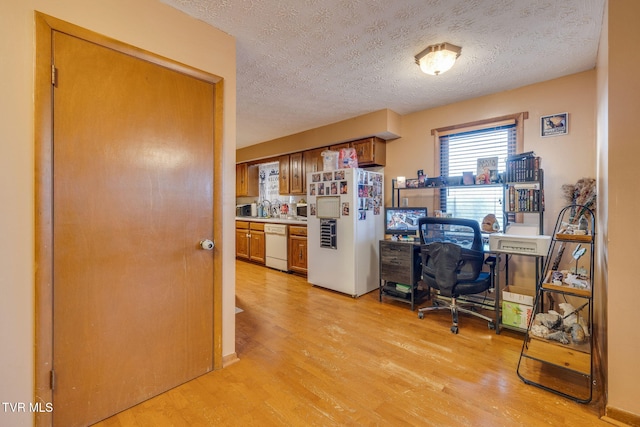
(243, 210)
(301, 209)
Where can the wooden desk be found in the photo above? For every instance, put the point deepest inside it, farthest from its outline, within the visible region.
(400, 262)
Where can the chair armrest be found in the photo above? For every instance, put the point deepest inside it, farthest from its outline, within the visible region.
(490, 261)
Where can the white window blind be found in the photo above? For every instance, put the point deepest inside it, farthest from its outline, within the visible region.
(459, 152)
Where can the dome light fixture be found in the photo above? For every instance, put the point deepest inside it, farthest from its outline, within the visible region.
(438, 58)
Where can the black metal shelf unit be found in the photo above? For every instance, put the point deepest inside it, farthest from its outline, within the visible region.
(557, 353)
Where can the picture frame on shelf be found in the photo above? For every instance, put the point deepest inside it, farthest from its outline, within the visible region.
(468, 178)
(454, 180)
(486, 167)
(412, 183)
(554, 125)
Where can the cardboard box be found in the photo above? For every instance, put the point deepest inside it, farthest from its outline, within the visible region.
(518, 294)
(514, 314)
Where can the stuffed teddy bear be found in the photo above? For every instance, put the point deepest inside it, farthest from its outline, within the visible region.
(490, 224)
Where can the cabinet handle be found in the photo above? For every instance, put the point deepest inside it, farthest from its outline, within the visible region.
(300, 254)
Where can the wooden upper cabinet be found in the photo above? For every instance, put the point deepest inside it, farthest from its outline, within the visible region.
(337, 147)
(294, 167)
(313, 160)
(241, 179)
(296, 174)
(283, 184)
(371, 151)
(246, 180)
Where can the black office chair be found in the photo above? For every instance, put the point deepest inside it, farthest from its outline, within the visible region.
(452, 260)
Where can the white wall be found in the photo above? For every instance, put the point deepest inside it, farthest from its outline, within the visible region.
(146, 24)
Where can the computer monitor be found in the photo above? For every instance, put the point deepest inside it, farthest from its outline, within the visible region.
(403, 221)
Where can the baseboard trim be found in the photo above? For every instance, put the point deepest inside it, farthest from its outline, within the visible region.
(621, 418)
(229, 360)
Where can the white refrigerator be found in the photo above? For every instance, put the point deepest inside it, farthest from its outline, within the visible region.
(344, 225)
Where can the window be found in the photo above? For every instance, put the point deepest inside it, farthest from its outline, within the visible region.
(459, 152)
(268, 181)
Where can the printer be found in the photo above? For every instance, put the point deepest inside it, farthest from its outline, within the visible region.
(520, 239)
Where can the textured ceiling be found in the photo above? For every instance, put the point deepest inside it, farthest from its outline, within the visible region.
(302, 64)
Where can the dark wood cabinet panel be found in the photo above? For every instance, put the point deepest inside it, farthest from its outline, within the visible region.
(296, 174)
(283, 185)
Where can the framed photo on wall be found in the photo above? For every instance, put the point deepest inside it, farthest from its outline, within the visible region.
(554, 125)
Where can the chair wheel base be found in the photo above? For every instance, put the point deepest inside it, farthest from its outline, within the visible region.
(420, 315)
(492, 326)
(454, 329)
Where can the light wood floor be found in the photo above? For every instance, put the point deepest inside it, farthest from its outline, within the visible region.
(313, 357)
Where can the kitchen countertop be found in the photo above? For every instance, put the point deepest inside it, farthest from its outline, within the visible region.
(272, 220)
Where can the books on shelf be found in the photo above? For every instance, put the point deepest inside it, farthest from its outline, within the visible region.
(523, 167)
(403, 288)
(525, 200)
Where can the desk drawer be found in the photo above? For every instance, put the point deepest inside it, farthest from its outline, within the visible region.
(396, 262)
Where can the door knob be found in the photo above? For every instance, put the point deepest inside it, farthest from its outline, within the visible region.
(207, 244)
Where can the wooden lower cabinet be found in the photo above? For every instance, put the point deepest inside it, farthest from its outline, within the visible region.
(250, 241)
(256, 245)
(297, 249)
(242, 239)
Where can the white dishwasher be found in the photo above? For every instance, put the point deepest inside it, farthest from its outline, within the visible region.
(276, 246)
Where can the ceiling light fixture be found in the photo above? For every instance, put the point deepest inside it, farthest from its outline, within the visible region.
(438, 58)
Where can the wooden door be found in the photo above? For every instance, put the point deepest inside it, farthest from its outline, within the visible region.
(132, 198)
